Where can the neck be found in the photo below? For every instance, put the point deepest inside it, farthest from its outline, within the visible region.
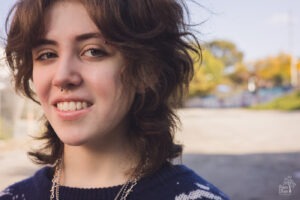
(101, 165)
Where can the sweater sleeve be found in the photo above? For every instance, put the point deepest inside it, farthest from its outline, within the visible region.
(11, 193)
(177, 183)
(200, 190)
(190, 185)
(33, 188)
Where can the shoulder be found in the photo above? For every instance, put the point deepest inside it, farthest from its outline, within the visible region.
(28, 188)
(193, 186)
(178, 182)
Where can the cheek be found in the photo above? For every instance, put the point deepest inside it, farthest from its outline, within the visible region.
(41, 84)
(107, 83)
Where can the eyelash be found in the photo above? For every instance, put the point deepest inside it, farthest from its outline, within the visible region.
(95, 50)
(49, 55)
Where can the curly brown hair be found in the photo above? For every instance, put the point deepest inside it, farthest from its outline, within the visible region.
(155, 41)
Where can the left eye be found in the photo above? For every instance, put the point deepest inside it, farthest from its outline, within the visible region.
(46, 56)
(94, 53)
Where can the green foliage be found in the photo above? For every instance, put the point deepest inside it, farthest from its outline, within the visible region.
(223, 64)
(207, 75)
(289, 102)
(275, 70)
(240, 75)
(226, 51)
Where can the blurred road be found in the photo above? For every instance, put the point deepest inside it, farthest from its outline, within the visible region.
(247, 154)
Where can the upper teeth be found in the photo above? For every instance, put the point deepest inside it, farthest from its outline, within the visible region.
(71, 106)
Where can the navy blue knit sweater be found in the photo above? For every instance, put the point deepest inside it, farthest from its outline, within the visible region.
(171, 182)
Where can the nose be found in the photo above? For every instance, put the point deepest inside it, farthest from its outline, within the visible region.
(67, 73)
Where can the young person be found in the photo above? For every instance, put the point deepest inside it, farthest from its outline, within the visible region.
(108, 75)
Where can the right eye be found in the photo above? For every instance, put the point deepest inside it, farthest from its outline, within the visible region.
(46, 56)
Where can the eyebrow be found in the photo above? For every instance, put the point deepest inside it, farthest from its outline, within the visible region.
(43, 41)
(79, 38)
(87, 36)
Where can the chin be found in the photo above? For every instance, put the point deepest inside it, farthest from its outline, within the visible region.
(72, 137)
(73, 141)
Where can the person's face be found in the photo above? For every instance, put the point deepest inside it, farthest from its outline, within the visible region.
(72, 55)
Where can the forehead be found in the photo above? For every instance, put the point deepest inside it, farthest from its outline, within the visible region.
(68, 18)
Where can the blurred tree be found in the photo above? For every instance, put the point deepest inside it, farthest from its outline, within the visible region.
(275, 70)
(226, 51)
(208, 74)
(240, 75)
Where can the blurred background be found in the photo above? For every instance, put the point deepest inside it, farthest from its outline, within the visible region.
(241, 119)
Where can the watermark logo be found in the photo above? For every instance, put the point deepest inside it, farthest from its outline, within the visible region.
(286, 188)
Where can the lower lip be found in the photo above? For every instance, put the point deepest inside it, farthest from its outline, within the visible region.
(72, 115)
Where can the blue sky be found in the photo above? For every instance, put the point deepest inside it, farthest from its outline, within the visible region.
(259, 28)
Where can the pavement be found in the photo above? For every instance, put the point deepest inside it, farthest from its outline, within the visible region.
(250, 155)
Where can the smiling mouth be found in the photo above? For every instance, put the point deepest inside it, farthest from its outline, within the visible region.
(72, 105)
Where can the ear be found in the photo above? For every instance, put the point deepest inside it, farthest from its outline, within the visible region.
(148, 80)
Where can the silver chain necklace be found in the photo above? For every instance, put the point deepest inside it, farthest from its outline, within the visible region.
(125, 190)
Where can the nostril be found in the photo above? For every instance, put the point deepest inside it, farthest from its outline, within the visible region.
(67, 87)
(67, 82)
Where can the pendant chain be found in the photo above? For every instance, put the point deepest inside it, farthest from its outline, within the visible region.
(54, 192)
(125, 190)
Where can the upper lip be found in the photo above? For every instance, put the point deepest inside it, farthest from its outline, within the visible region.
(69, 99)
